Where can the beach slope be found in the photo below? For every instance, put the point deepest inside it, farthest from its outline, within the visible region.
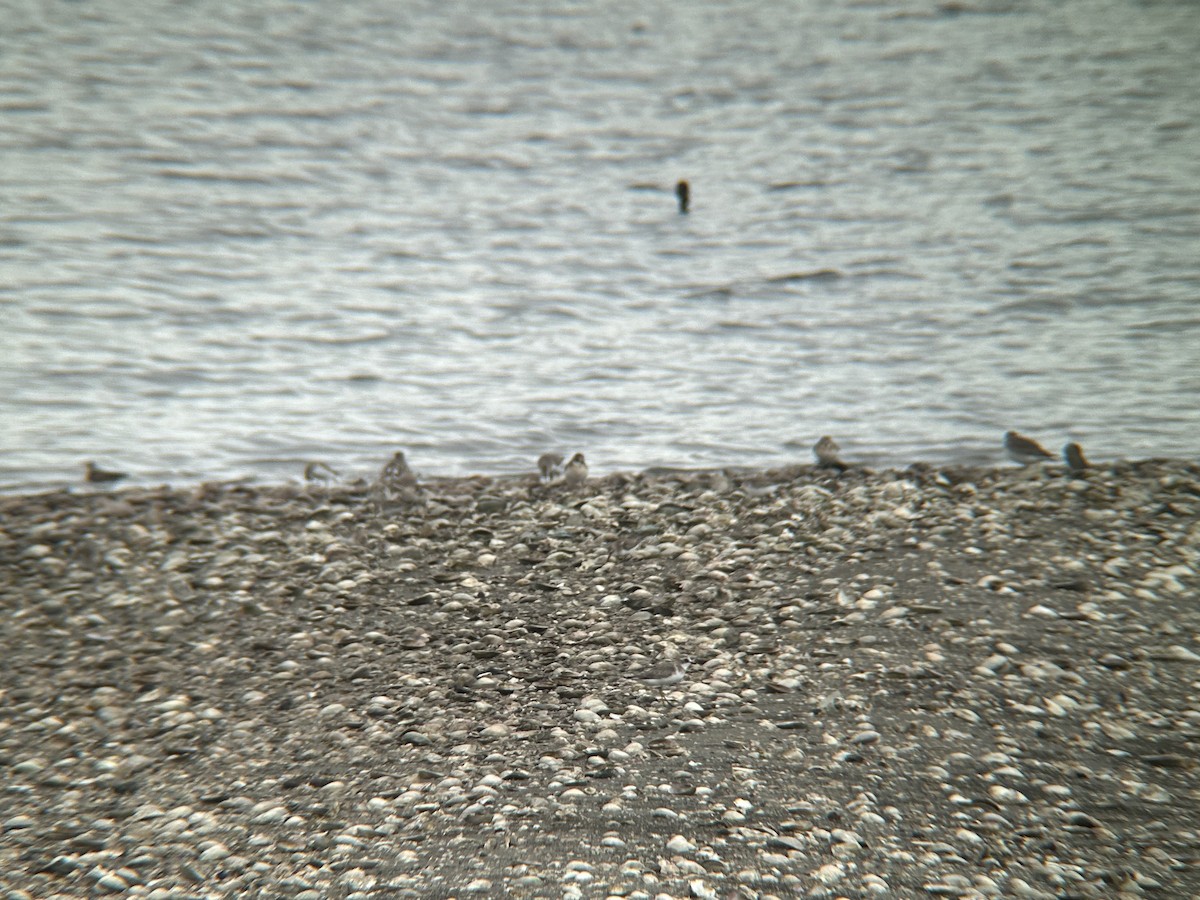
(920, 682)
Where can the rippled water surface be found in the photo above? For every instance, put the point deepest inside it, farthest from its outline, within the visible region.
(235, 238)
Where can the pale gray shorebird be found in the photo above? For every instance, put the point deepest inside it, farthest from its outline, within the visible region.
(661, 674)
(550, 466)
(396, 471)
(828, 454)
(1074, 458)
(93, 474)
(1025, 450)
(396, 482)
(319, 472)
(576, 471)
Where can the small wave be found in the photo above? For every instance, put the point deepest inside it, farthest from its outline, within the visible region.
(813, 275)
(208, 175)
(24, 106)
(797, 185)
(725, 292)
(1037, 306)
(347, 340)
(1163, 326)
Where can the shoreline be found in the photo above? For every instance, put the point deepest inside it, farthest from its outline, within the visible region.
(977, 459)
(954, 681)
(738, 472)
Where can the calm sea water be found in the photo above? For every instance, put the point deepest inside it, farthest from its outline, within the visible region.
(236, 237)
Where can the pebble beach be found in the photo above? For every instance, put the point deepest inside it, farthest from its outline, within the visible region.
(921, 682)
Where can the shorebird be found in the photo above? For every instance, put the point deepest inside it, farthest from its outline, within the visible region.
(397, 472)
(92, 474)
(827, 451)
(318, 471)
(1075, 460)
(576, 471)
(684, 192)
(669, 671)
(550, 466)
(1025, 450)
(396, 482)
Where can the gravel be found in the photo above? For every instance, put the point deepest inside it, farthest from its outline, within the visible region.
(930, 682)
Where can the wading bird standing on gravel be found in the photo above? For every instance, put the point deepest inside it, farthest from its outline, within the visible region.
(576, 472)
(396, 483)
(550, 467)
(1025, 450)
(828, 454)
(1074, 458)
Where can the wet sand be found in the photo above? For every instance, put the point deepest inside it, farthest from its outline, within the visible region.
(920, 682)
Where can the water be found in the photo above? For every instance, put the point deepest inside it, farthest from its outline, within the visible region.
(235, 239)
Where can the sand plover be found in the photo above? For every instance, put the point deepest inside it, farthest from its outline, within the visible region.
(396, 482)
(93, 474)
(319, 472)
(576, 471)
(1025, 450)
(550, 466)
(828, 454)
(684, 192)
(661, 674)
(397, 472)
(1074, 458)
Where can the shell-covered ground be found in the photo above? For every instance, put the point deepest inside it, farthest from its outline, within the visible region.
(927, 682)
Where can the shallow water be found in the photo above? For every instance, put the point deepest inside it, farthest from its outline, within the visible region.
(231, 242)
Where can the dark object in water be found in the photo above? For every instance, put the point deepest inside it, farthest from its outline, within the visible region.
(683, 192)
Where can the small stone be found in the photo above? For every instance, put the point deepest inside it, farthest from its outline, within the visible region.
(1082, 820)
(114, 883)
(680, 844)
(783, 842)
(1002, 794)
(1179, 653)
(830, 873)
(216, 851)
(993, 664)
(272, 815)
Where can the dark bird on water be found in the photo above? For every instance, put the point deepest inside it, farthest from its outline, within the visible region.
(684, 193)
(94, 475)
